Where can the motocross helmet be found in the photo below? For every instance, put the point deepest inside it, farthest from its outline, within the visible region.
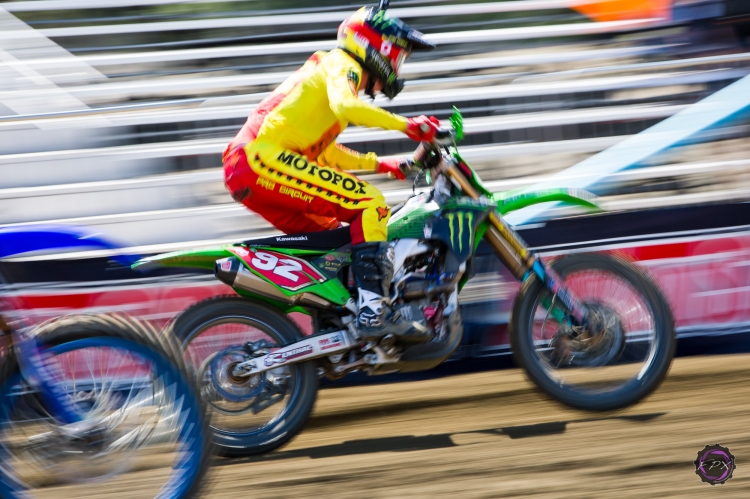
(380, 43)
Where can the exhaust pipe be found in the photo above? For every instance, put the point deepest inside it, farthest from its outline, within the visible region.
(231, 271)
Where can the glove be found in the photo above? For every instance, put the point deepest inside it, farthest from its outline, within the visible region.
(395, 167)
(422, 128)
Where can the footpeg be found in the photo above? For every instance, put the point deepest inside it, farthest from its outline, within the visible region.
(258, 348)
(388, 344)
(388, 341)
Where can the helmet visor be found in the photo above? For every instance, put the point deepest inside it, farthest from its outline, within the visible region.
(399, 62)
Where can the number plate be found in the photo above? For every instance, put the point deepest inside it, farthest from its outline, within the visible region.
(283, 270)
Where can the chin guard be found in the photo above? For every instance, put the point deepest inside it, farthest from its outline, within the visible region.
(370, 87)
(391, 90)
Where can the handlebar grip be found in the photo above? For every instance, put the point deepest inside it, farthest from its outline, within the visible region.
(443, 133)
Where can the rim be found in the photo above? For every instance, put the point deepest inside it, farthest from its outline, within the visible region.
(136, 417)
(621, 352)
(245, 407)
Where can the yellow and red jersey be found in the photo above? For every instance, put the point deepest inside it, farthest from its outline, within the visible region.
(312, 107)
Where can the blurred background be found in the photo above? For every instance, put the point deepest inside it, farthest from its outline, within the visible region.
(114, 114)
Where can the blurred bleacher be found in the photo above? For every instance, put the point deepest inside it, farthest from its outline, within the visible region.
(114, 114)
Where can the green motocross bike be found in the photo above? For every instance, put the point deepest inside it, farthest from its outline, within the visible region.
(592, 331)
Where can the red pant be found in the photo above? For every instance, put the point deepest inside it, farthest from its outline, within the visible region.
(295, 195)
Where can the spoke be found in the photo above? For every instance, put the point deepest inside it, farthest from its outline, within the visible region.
(34, 448)
(244, 415)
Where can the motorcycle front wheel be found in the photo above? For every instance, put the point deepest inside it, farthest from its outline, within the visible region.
(619, 359)
(143, 430)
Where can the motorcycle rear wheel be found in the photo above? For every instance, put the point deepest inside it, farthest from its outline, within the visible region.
(617, 367)
(285, 396)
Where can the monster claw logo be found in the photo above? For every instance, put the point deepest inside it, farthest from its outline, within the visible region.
(380, 19)
(353, 79)
(382, 212)
(715, 464)
(461, 218)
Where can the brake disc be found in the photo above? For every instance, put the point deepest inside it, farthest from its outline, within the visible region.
(227, 394)
(598, 344)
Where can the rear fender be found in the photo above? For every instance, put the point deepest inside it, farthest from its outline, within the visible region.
(193, 258)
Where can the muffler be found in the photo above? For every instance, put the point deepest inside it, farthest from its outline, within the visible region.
(231, 271)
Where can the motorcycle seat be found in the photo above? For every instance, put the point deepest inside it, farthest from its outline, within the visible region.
(324, 240)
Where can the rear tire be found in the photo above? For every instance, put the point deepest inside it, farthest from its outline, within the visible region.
(281, 330)
(631, 391)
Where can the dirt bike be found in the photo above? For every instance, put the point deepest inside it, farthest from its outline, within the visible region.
(87, 399)
(592, 331)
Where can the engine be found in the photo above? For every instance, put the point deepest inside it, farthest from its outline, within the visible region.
(421, 292)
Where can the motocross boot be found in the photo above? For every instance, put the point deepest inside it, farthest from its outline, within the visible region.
(372, 265)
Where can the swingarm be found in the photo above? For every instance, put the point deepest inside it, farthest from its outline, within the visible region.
(310, 348)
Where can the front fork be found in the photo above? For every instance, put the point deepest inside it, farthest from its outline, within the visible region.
(515, 255)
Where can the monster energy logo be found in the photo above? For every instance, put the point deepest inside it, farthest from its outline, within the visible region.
(461, 218)
(379, 19)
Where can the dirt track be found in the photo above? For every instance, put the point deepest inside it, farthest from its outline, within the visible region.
(491, 435)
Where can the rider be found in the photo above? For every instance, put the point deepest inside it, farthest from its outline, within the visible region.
(286, 166)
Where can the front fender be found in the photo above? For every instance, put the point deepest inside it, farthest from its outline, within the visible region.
(194, 258)
(518, 199)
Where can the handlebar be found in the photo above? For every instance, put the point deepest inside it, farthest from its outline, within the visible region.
(427, 154)
(421, 154)
(444, 136)
(427, 150)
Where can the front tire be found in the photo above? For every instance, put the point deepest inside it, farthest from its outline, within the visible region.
(129, 384)
(633, 360)
(247, 425)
